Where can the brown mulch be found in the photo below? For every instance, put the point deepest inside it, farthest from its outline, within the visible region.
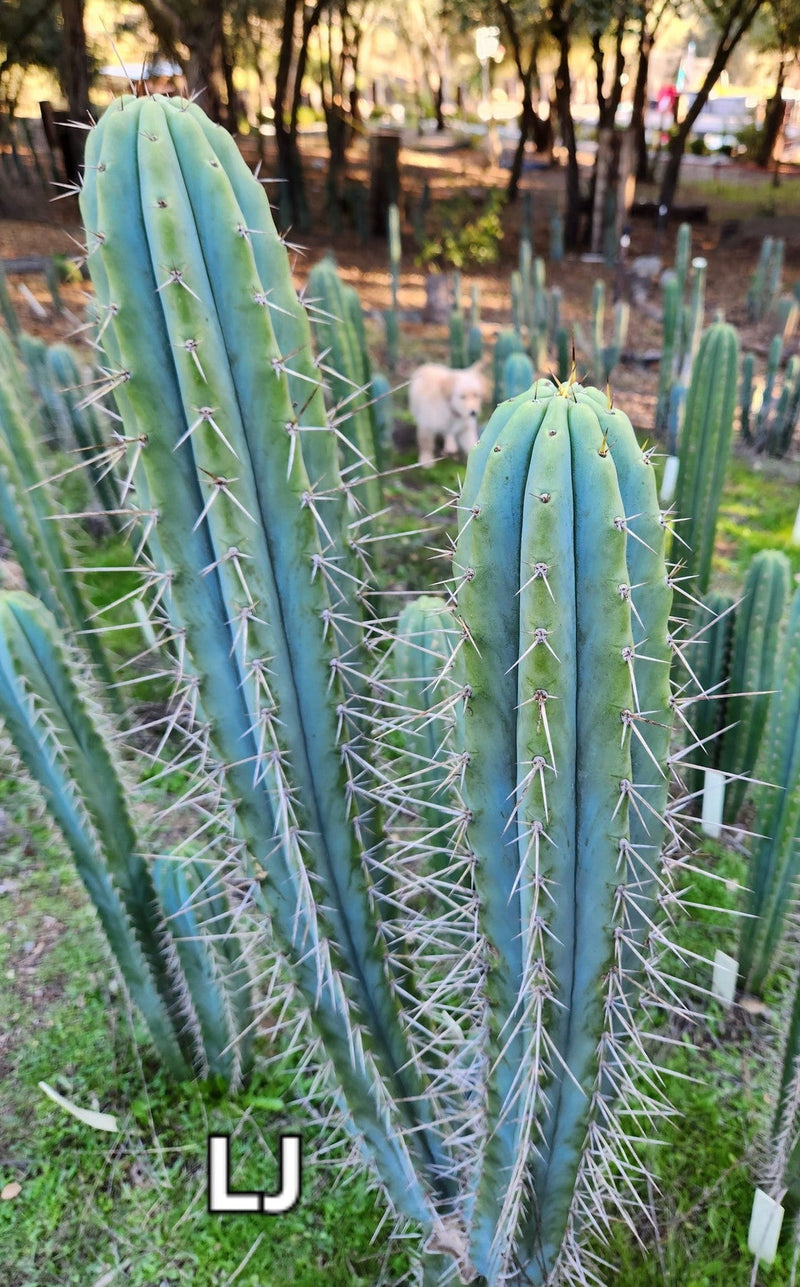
(730, 246)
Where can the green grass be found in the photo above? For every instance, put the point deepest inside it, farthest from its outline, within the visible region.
(757, 513)
(135, 1203)
(131, 1208)
(722, 1075)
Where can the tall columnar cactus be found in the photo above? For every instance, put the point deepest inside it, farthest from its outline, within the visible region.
(507, 342)
(787, 315)
(381, 410)
(474, 333)
(732, 674)
(346, 363)
(706, 684)
(693, 318)
(606, 356)
(425, 650)
(482, 1079)
(526, 283)
(540, 313)
(556, 237)
(561, 537)
(238, 462)
(786, 414)
(765, 284)
(704, 450)
(746, 398)
(458, 339)
(517, 302)
(197, 1009)
(71, 387)
(775, 852)
(670, 344)
(779, 410)
(780, 1177)
(683, 250)
(7, 307)
(752, 671)
(392, 315)
(518, 374)
(30, 517)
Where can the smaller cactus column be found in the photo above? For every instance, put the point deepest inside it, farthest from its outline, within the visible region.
(775, 854)
(704, 450)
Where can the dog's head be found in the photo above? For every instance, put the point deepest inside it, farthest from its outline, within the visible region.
(469, 391)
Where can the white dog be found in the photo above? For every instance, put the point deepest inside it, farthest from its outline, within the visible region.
(446, 402)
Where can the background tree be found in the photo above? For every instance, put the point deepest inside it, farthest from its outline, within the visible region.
(781, 33)
(75, 71)
(526, 32)
(562, 15)
(297, 25)
(648, 16)
(344, 25)
(428, 28)
(193, 34)
(30, 36)
(732, 19)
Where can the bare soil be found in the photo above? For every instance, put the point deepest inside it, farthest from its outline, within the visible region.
(729, 241)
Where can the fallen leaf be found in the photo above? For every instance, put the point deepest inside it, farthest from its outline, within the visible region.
(10, 1191)
(98, 1121)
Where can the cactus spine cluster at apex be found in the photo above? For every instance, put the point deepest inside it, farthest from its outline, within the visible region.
(216, 383)
(563, 590)
(560, 559)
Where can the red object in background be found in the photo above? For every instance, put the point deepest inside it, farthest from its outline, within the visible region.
(666, 98)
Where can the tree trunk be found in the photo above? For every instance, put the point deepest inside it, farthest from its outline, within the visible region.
(559, 26)
(526, 128)
(234, 111)
(739, 19)
(639, 106)
(438, 103)
(205, 74)
(773, 120)
(76, 87)
(292, 202)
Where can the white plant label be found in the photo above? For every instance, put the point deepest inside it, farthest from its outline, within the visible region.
(713, 803)
(223, 1201)
(723, 980)
(765, 1227)
(669, 480)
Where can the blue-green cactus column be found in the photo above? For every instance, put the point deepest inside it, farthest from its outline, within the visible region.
(561, 565)
(238, 461)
